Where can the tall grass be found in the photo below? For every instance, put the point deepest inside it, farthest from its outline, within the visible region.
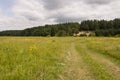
(31, 58)
(38, 58)
(97, 70)
(109, 47)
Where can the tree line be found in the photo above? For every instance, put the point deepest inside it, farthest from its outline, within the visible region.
(99, 27)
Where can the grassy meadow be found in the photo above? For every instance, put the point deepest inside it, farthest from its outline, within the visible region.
(59, 58)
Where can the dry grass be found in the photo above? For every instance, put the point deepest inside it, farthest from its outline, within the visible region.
(64, 58)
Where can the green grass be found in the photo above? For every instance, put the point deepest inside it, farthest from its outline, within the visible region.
(109, 47)
(39, 58)
(95, 67)
(30, 58)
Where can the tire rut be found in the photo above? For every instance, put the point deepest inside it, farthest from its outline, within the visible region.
(112, 68)
(75, 68)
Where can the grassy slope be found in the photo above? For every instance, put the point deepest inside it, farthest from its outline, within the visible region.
(66, 58)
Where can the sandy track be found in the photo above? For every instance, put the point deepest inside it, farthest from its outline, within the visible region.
(112, 68)
(75, 68)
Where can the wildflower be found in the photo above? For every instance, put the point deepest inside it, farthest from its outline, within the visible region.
(32, 48)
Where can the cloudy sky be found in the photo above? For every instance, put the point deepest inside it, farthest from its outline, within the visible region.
(21, 14)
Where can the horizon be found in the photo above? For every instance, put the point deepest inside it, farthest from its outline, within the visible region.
(22, 14)
(54, 24)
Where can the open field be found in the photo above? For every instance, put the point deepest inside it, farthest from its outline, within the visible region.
(59, 58)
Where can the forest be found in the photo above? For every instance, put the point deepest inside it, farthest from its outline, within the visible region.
(98, 27)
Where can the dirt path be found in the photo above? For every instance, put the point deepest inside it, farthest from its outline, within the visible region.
(110, 66)
(75, 68)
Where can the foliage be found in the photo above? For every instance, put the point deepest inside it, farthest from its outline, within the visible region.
(99, 27)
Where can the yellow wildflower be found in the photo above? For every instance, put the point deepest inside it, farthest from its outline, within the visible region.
(32, 48)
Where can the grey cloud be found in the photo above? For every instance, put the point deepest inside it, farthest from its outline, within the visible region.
(28, 13)
(68, 19)
(63, 19)
(52, 4)
(31, 17)
(57, 4)
(97, 1)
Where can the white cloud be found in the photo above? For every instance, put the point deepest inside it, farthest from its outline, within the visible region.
(29, 13)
